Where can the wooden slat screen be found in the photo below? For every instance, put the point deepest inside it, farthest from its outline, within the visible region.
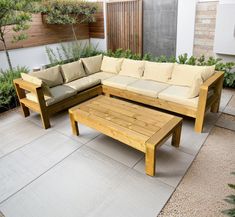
(40, 33)
(124, 25)
(96, 29)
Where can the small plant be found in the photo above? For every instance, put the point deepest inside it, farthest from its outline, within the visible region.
(191, 61)
(70, 52)
(161, 59)
(148, 57)
(182, 59)
(230, 199)
(8, 98)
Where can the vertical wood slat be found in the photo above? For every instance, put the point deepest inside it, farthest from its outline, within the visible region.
(124, 25)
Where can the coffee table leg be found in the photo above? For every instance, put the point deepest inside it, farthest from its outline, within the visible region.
(150, 160)
(176, 135)
(74, 125)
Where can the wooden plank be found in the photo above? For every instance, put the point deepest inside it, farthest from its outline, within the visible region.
(163, 133)
(41, 33)
(115, 131)
(124, 25)
(96, 29)
(117, 119)
(30, 104)
(131, 120)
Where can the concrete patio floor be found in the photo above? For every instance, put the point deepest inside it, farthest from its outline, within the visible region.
(51, 173)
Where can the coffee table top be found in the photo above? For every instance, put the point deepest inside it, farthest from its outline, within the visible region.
(125, 121)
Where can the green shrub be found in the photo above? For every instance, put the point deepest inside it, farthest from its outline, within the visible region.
(74, 51)
(8, 98)
(229, 77)
(71, 52)
(68, 12)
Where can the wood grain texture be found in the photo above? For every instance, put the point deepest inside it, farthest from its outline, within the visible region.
(96, 29)
(128, 123)
(41, 33)
(124, 25)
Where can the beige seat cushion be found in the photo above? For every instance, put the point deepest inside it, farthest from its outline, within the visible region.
(83, 83)
(111, 64)
(59, 93)
(146, 87)
(178, 94)
(45, 88)
(92, 64)
(158, 71)
(51, 76)
(119, 81)
(72, 71)
(132, 68)
(101, 75)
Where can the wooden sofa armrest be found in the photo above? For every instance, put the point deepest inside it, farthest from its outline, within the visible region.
(205, 102)
(213, 80)
(25, 85)
(21, 86)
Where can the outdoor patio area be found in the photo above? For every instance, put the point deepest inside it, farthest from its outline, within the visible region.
(117, 108)
(53, 173)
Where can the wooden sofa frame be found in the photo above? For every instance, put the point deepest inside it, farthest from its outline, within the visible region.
(205, 102)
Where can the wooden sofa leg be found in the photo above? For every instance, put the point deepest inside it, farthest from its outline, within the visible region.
(45, 120)
(21, 94)
(201, 110)
(199, 124)
(218, 88)
(25, 110)
(215, 107)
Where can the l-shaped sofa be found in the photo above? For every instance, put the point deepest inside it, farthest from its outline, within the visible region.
(183, 89)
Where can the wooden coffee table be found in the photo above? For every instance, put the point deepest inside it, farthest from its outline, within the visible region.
(142, 128)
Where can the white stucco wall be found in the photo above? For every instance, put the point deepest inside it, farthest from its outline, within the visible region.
(185, 26)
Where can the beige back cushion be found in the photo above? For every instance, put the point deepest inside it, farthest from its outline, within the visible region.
(92, 64)
(72, 71)
(195, 87)
(184, 75)
(111, 64)
(209, 71)
(51, 76)
(132, 68)
(37, 81)
(158, 71)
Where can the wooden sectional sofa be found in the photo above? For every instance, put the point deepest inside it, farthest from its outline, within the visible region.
(183, 89)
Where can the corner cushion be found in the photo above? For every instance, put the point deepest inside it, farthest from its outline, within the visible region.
(83, 83)
(101, 75)
(92, 64)
(111, 64)
(119, 81)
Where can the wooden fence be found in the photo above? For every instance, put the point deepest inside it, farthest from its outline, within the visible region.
(43, 34)
(124, 25)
